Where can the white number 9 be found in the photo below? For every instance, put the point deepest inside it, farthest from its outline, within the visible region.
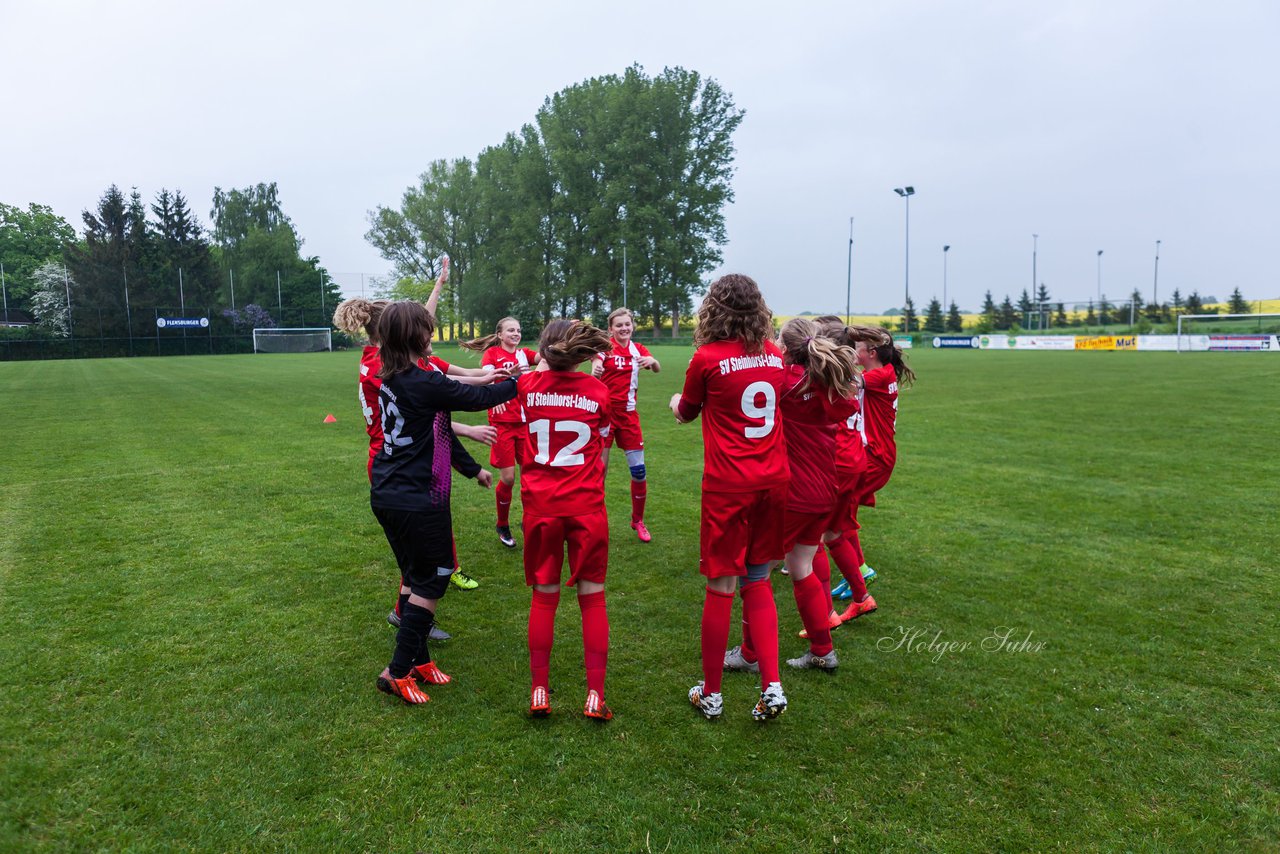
(765, 412)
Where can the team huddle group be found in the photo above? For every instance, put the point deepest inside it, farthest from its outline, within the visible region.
(798, 432)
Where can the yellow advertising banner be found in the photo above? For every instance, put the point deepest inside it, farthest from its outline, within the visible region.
(1107, 342)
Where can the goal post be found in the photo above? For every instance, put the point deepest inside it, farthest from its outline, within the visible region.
(1224, 328)
(292, 340)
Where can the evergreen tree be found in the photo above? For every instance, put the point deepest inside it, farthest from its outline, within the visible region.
(955, 323)
(1090, 318)
(1007, 317)
(1060, 319)
(1237, 304)
(110, 258)
(909, 316)
(1194, 304)
(1177, 302)
(933, 321)
(1104, 313)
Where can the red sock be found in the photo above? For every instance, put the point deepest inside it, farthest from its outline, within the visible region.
(813, 612)
(822, 569)
(717, 611)
(639, 489)
(762, 613)
(856, 541)
(542, 630)
(846, 558)
(595, 638)
(502, 494)
(747, 652)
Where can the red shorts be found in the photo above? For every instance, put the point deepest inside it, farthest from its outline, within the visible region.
(505, 452)
(739, 528)
(587, 536)
(624, 430)
(805, 529)
(845, 514)
(873, 480)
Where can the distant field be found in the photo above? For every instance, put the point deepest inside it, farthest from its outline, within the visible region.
(192, 594)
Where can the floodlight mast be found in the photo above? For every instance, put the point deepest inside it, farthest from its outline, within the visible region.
(906, 193)
(945, 249)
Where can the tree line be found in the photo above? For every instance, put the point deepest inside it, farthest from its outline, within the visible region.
(1042, 312)
(134, 256)
(615, 191)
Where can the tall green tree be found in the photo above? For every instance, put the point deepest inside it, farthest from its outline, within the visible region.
(933, 321)
(1007, 315)
(29, 238)
(255, 241)
(909, 320)
(111, 260)
(1237, 304)
(955, 323)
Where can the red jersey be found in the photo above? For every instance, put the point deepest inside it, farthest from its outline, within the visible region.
(435, 363)
(622, 373)
(496, 357)
(812, 422)
(851, 443)
(743, 448)
(367, 392)
(880, 411)
(567, 415)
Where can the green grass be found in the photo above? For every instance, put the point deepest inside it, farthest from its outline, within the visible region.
(192, 593)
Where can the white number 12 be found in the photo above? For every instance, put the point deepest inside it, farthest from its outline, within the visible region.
(566, 456)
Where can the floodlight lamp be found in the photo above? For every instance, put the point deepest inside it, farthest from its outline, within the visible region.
(899, 191)
(946, 248)
(911, 191)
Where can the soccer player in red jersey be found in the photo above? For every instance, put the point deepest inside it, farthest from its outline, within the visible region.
(734, 381)
(562, 492)
(411, 482)
(619, 367)
(819, 392)
(502, 352)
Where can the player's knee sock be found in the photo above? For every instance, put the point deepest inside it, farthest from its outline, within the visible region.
(639, 490)
(822, 569)
(762, 614)
(748, 653)
(411, 638)
(813, 612)
(542, 629)
(502, 495)
(846, 558)
(856, 542)
(717, 611)
(595, 638)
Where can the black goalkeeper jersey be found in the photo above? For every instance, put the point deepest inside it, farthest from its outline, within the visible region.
(412, 471)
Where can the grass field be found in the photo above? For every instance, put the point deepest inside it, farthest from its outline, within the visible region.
(192, 594)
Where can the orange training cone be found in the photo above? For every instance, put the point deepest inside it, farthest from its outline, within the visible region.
(329, 419)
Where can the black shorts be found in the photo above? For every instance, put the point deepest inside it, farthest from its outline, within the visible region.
(423, 545)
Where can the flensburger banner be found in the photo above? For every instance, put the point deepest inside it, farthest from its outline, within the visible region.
(956, 342)
(182, 322)
(1042, 342)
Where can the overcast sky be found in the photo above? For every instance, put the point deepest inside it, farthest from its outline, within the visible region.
(1097, 125)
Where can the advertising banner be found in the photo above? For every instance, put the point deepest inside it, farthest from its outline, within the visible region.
(1169, 343)
(993, 342)
(903, 341)
(182, 322)
(1107, 342)
(1240, 342)
(1042, 342)
(960, 342)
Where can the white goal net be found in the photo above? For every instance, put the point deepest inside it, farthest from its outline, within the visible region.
(291, 340)
(1228, 332)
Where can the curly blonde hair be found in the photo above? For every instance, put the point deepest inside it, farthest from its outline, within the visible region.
(358, 315)
(734, 308)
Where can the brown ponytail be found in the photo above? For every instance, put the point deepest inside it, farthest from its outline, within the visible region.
(565, 344)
